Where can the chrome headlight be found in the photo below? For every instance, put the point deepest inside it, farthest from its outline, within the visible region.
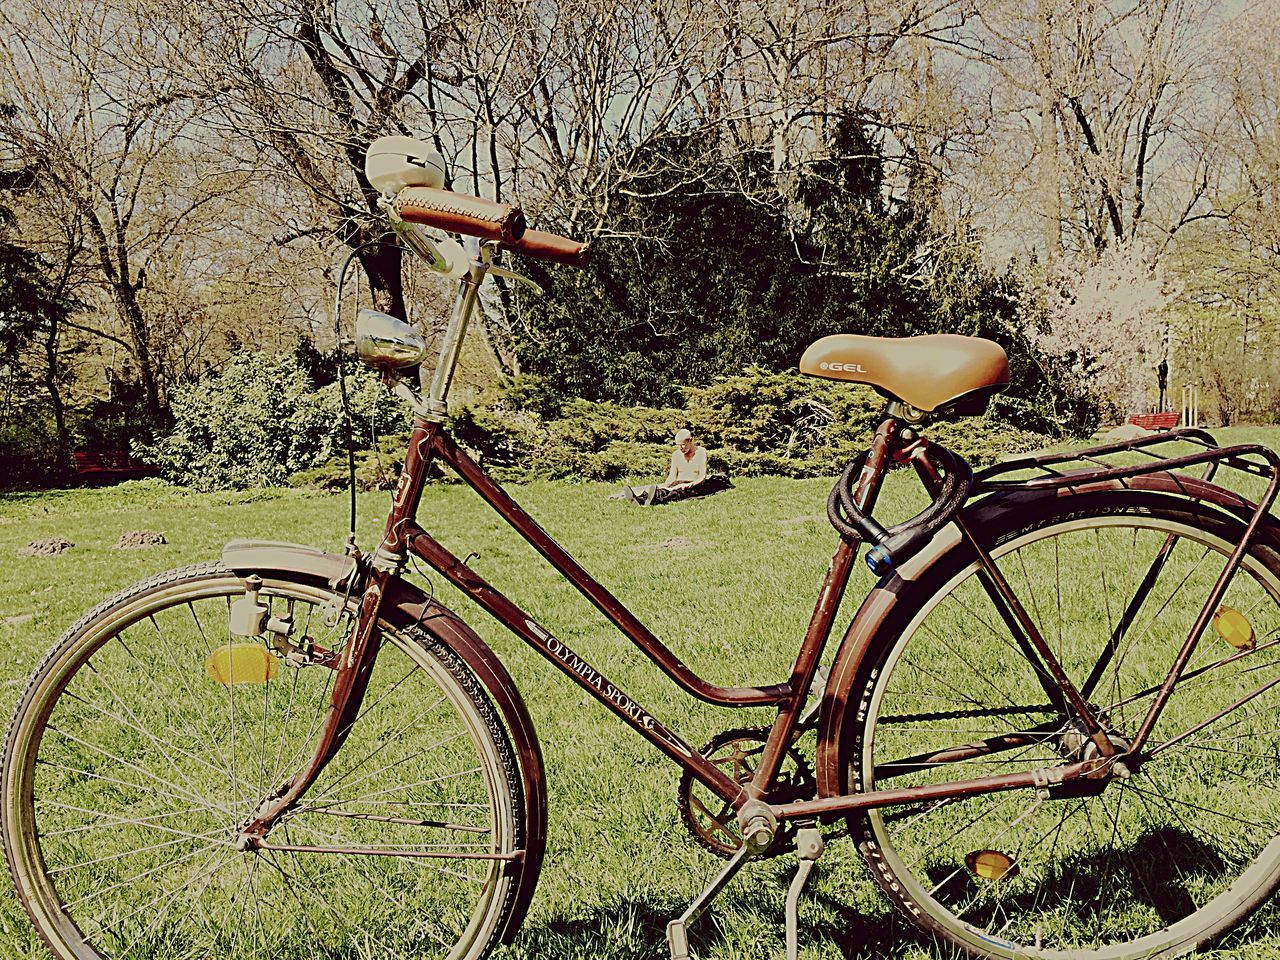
(387, 343)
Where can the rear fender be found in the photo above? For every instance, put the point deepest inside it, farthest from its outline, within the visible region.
(407, 606)
(989, 513)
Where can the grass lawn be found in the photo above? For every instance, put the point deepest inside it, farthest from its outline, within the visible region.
(727, 582)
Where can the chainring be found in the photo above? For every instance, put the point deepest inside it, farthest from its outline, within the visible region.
(712, 821)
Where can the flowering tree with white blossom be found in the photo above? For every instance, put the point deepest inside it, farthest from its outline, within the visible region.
(1107, 320)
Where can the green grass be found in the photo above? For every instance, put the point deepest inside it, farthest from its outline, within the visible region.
(727, 582)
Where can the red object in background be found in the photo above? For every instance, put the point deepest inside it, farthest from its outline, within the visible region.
(110, 467)
(1156, 421)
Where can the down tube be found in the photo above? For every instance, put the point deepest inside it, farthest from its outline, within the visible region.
(592, 680)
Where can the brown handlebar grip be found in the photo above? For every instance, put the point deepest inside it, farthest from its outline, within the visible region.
(549, 246)
(461, 213)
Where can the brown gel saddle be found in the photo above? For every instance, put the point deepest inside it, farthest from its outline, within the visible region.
(935, 373)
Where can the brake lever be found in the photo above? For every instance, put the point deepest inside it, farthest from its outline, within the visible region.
(512, 275)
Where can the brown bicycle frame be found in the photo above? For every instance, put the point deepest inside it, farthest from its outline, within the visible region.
(403, 535)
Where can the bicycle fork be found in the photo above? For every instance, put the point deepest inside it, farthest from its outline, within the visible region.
(355, 666)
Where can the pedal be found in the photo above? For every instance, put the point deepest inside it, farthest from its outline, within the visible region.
(809, 847)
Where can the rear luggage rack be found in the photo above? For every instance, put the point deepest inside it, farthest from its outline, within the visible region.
(1053, 469)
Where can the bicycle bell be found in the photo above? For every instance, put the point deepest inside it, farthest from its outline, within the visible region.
(388, 343)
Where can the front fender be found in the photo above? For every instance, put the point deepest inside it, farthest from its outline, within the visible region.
(406, 606)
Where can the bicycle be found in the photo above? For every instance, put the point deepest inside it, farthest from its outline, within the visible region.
(208, 763)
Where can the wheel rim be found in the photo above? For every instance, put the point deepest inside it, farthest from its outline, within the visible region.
(1165, 859)
(131, 770)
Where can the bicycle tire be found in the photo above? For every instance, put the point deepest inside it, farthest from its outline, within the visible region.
(1161, 864)
(128, 767)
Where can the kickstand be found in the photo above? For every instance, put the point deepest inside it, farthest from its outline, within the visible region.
(809, 846)
(677, 930)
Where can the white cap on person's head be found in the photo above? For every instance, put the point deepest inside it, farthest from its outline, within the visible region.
(682, 435)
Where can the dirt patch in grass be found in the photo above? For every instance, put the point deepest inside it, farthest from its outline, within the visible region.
(46, 547)
(140, 540)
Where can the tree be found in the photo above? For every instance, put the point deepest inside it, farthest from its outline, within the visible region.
(1111, 104)
(1107, 325)
(106, 135)
(646, 318)
(34, 306)
(1228, 320)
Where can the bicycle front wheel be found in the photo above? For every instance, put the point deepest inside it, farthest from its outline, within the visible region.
(1161, 863)
(132, 763)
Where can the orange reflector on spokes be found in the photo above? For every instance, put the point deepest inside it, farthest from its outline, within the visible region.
(991, 865)
(1234, 627)
(242, 663)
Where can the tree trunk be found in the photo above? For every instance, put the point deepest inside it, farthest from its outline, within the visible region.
(62, 453)
(126, 297)
(1050, 175)
(381, 263)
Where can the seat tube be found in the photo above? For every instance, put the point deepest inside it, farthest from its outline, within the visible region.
(413, 477)
(883, 447)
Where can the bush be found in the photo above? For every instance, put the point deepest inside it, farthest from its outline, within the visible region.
(781, 412)
(27, 449)
(374, 470)
(375, 411)
(259, 423)
(595, 426)
(333, 476)
(756, 423)
(252, 425)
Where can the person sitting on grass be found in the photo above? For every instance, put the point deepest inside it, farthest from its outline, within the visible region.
(687, 475)
(688, 465)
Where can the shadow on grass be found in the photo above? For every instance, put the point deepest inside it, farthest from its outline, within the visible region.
(636, 927)
(1152, 871)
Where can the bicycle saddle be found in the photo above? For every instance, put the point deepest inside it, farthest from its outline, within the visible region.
(941, 371)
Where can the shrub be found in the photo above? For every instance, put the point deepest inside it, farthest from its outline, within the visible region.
(372, 473)
(534, 394)
(498, 437)
(252, 425)
(595, 426)
(259, 422)
(759, 410)
(755, 423)
(984, 440)
(375, 411)
(626, 459)
(27, 445)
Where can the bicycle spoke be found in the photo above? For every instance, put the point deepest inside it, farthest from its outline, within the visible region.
(144, 766)
(1091, 864)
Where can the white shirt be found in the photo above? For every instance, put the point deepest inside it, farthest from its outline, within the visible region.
(687, 471)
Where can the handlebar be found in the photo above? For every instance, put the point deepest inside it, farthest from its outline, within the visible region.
(487, 220)
(895, 546)
(461, 213)
(551, 247)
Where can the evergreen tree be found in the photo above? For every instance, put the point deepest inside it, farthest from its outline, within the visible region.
(725, 280)
(33, 307)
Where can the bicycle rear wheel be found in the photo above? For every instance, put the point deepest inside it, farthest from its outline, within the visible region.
(129, 767)
(1161, 863)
